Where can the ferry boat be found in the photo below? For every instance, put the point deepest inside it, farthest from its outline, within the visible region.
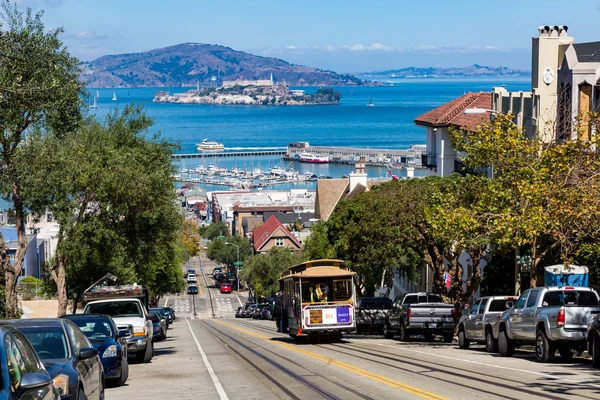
(313, 158)
(209, 145)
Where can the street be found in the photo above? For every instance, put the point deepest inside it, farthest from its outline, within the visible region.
(222, 357)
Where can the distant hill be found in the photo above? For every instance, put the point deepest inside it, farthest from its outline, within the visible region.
(189, 63)
(474, 70)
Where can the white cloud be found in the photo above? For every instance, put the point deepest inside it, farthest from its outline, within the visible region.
(291, 47)
(85, 35)
(457, 49)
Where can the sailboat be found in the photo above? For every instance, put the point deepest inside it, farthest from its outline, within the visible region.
(97, 94)
(370, 103)
(114, 96)
(94, 103)
(351, 92)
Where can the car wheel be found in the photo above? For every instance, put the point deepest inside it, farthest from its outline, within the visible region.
(81, 395)
(596, 352)
(544, 349)
(566, 353)
(404, 336)
(491, 344)
(463, 342)
(506, 347)
(386, 332)
(124, 372)
(145, 355)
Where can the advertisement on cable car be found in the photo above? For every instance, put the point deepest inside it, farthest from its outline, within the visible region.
(328, 316)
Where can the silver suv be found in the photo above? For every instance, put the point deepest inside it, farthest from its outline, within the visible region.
(551, 318)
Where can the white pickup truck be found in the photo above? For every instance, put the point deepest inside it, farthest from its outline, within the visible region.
(127, 306)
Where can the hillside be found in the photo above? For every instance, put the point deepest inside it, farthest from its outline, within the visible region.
(474, 70)
(189, 63)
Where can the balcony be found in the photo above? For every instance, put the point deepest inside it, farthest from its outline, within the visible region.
(429, 160)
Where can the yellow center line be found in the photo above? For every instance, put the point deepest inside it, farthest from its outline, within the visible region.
(348, 367)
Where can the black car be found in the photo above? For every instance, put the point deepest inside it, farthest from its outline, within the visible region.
(168, 315)
(25, 376)
(162, 313)
(266, 313)
(172, 312)
(239, 312)
(71, 360)
(192, 289)
(111, 344)
(159, 327)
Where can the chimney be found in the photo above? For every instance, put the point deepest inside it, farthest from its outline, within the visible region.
(359, 176)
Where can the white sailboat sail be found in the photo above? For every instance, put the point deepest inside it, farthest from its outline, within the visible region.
(114, 96)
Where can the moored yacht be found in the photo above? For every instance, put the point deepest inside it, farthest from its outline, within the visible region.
(313, 158)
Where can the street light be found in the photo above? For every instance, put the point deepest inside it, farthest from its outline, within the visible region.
(237, 265)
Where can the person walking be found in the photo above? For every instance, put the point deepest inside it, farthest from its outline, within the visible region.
(277, 311)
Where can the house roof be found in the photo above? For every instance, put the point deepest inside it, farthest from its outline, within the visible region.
(329, 193)
(452, 113)
(587, 52)
(266, 231)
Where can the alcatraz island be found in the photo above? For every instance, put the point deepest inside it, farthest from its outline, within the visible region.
(250, 92)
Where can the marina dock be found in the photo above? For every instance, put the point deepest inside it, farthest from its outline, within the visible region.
(229, 154)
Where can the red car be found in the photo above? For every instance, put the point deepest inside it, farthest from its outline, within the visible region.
(225, 287)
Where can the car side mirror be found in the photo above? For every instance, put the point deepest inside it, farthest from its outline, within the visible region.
(34, 380)
(122, 333)
(510, 304)
(88, 352)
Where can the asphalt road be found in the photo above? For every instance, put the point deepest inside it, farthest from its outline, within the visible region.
(223, 357)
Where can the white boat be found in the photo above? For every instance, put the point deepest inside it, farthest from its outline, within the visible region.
(277, 171)
(313, 158)
(114, 98)
(97, 94)
(370, 103)
(94, 103)
(209, 145)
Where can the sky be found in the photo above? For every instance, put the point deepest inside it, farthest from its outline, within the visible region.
(341, 35)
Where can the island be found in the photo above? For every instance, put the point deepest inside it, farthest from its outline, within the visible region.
(245, 92)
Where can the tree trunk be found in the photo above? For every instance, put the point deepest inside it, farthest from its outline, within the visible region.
(12, 272)
(75, 303)
(59, 276)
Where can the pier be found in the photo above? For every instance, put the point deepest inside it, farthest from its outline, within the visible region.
(230, 154)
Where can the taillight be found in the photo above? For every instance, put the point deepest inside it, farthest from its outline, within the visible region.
(408, 313)
(454, 312)
(560, 318)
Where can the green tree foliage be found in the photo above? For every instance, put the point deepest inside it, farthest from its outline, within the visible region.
(317, 245)
(39, 88)
(552, 188)
(262, 271)
(110, 187)
(226, 254)
(214, 230)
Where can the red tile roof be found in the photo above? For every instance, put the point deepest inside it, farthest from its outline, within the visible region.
(263, 233)
(452, 113)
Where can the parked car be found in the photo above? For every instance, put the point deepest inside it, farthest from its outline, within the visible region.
(159, 328)
(249, 311)
(258, 310)
(239, 312)
(191, 278)
(266, 313)
(215, 271)
(162, 314)
(172, 312)
(192, 289)
(71, 360)
(372, 314)
(593, 339)
(477, 322)
(226, 287)
(111, 344)
(27, 377)
(550, 318)
(168, 315)
(421, 313)
(191, 272)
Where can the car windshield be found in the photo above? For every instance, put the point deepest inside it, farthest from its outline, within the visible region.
(159, 312)
(48, 342)
(116, 309)
(95, 328)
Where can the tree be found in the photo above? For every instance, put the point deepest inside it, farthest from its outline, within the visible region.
(191, 237)
(226, 254)
(337, 96)
(110, 187)
(39, 88)
(262, 271)
(214, 230)
(553, 189)
(317, 245)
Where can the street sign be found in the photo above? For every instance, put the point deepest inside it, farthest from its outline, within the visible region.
(237, 263)
(220, 237)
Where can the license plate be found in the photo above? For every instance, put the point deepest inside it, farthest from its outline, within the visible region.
(432, 325)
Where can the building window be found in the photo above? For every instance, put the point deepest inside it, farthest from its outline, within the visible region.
(279, 242)
(565, 112)
(49, 217)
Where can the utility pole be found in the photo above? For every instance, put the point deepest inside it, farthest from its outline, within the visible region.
(237, 266)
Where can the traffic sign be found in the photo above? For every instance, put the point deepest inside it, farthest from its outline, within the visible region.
(237, 263)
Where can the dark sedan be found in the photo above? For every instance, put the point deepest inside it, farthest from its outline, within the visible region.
(23, 374)
(162, 315)
(168, 315)
(111, 344)
(67, 354)
(173, 315)
(159, 327)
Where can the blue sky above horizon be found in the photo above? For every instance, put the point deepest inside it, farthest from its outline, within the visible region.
(345, 36)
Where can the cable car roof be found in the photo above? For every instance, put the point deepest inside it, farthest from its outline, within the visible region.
(319, 269)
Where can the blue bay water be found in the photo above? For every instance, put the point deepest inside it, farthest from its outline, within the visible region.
(389, 124)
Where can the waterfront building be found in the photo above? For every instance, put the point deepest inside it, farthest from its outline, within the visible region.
(233, 207)
(274, 234)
